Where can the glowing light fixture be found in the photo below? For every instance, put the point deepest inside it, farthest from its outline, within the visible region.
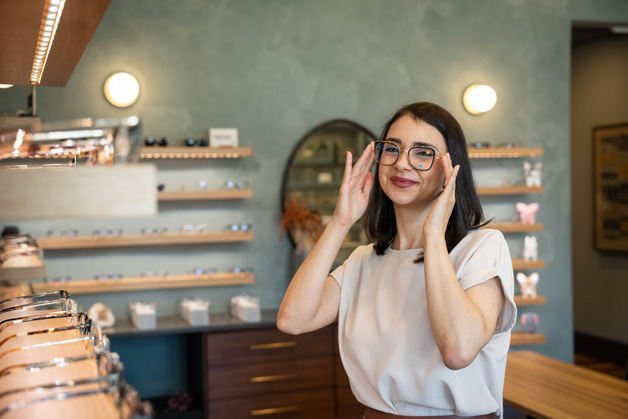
(479, 98)
(5, 86)
(47, 31)
(122, 89)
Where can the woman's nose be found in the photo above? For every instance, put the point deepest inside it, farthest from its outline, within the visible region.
(402, 161)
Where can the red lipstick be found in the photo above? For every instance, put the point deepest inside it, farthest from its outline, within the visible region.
(401, 182)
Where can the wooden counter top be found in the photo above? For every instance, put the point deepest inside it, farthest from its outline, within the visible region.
(543, 387)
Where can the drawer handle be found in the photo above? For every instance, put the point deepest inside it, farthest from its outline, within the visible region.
(262, 412)
(277, 345)
(267, 378)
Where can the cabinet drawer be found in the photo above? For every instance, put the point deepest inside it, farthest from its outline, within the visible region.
(265, 345)
(341, 375)
(249, 380)
(314, 404)
(346, 404)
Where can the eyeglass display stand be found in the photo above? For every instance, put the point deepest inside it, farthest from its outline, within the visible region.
(95, 286)
(517, 339)
(194, 152)
(130, 240)
(217, 194)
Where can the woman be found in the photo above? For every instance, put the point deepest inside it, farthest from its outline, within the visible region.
(424, 312)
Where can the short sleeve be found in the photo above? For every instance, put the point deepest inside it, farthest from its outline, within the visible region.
(338, 273)
(488, 257)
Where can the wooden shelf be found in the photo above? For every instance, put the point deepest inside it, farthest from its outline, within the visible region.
(516, 227)
(524, 302)
(125, 240)
(314, 185)
(19, 274)
(95, 286)
(204, 195)
(194, 152)
(519, 338)
(510, 190)
(504, 153)
(522, 265)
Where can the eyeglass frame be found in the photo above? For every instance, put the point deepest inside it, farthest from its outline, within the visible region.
(407, 154)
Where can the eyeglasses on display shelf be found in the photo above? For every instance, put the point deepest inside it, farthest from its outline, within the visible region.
(191, 229)
(195, 186)
(108, 277)
(191, 142)
(154, 230)
(240, 184)
(239, 270)
(200, 271)
(70, 232)
(234, 228)
(112, 232)
(150, 141)
(153, 274)
(419, 157)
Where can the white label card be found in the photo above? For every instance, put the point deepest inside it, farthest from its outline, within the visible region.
(223, 137)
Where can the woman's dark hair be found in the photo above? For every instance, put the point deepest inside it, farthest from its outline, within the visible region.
(379, 219)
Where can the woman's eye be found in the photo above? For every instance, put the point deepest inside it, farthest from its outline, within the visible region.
(423, 152)
(391, 149)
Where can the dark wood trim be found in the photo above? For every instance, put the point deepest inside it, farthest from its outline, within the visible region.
(600, 348)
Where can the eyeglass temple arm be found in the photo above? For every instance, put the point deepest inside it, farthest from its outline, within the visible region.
(35, 297)
(58, 315)
(36, 305)
(82, 319)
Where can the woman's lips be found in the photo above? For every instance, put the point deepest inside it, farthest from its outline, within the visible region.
(401, 182)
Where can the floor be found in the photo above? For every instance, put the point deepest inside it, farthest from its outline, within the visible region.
(609, 368)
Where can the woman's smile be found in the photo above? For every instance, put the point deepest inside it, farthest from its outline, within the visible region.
(402, 182)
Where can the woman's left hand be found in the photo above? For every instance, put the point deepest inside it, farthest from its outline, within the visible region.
(436, 222)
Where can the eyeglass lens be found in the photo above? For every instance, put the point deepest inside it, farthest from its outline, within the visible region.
(420, 158)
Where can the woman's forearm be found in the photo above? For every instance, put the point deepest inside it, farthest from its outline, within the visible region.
(457, 324)
(303, 297)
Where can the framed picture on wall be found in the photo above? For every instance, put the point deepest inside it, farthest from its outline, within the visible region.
(610, 187)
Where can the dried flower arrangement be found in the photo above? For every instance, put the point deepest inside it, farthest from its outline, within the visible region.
(299, 219)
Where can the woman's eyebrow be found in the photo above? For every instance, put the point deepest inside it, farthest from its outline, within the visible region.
(415, 144)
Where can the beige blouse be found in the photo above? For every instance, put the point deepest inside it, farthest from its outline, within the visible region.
(386, 342)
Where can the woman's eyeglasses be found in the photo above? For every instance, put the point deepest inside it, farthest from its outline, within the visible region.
(420, 157)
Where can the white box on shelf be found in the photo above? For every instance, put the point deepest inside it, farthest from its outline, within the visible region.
(143, 315)
(245, 308)
(195, 312)
(223, 137)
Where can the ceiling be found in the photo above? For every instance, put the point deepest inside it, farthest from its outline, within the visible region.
(19, 30)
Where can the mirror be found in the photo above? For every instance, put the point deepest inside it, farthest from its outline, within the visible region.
(312, 179)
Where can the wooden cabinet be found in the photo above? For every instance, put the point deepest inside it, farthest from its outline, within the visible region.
(264, 372)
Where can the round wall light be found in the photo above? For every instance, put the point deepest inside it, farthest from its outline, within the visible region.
(122, 89)
(479, 98)
(5, 86)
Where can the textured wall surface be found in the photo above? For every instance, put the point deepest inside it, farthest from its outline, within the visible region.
(276, 68)
(599, 93)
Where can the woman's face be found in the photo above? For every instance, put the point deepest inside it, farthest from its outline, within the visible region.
(404, 185)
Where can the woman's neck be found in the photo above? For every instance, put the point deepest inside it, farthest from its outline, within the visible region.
(410, 227)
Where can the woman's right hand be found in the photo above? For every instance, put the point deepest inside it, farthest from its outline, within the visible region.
(355, 188)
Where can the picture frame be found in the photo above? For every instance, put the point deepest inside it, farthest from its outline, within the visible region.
(610, 187)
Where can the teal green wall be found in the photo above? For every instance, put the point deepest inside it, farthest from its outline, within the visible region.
(276, 68)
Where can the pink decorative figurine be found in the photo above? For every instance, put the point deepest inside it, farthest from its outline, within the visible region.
(527, 212)
(529, 321)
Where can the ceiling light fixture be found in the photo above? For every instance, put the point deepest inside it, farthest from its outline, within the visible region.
(49, 23)
(479, 98)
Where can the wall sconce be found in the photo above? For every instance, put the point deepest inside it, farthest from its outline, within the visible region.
(5, 86)
(122, 90)
(479, 98)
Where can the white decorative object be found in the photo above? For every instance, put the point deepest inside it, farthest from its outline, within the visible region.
(325, 177)
(527, 284)
(530, 249)
(101, 315)
(532, 173)
(195, 311)
(223, 137)
(245, 308)
(143, 315)
(527, 212)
